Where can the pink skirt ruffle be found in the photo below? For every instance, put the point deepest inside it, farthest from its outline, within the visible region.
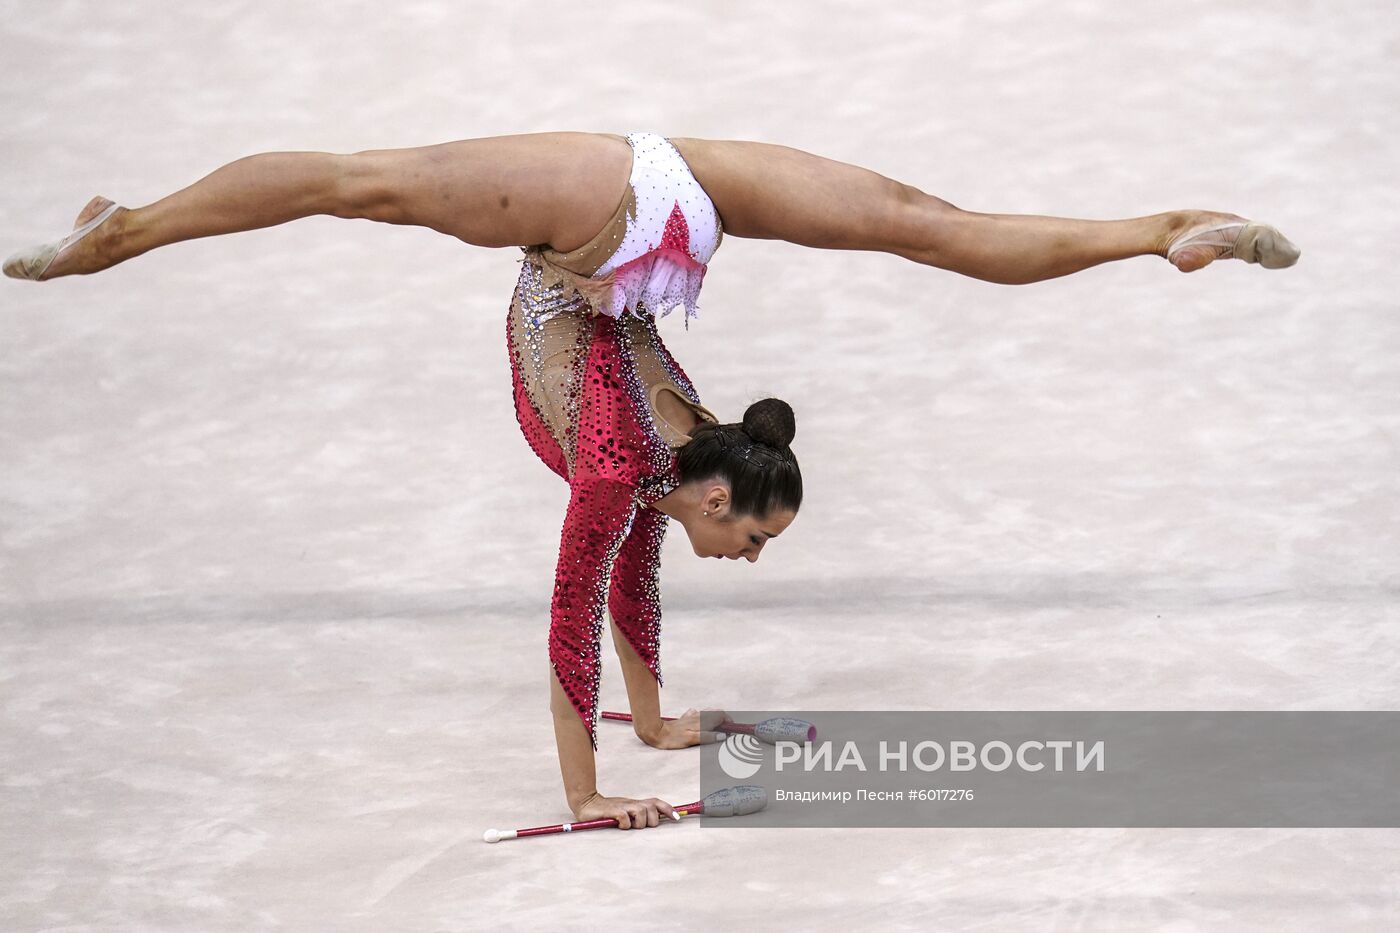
(653, 283)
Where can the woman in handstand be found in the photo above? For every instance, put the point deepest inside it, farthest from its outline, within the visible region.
(617, 230)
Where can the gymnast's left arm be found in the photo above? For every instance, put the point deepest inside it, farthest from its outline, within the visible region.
(693, 727)
(643, 691)
(634, 604)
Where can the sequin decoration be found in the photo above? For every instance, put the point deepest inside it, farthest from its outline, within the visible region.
(634, 596)
(598, 520)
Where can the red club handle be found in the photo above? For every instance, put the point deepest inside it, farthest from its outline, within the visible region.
(722, 727)
(495, 835)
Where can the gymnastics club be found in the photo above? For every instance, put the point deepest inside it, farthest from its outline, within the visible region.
(772, 731)
(740, 800)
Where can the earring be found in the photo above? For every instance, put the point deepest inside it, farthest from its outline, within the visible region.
(707, 513)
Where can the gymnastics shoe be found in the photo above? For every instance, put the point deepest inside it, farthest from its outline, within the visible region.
(1238, 239)
(33, 262)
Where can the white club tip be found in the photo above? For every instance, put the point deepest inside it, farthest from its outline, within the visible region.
(675, 816)
(491, 835)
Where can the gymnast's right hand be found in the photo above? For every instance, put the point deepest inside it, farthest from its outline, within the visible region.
(629, 813)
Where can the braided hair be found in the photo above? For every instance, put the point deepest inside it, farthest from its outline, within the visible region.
(753, 457)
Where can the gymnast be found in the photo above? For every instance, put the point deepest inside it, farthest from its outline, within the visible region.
(615, 231)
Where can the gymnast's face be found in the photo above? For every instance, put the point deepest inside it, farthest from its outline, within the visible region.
(722, 534)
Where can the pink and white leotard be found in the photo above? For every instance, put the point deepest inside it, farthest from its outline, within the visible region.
(653, 253)
(588, 367)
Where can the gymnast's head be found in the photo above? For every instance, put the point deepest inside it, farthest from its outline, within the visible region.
(740, 483)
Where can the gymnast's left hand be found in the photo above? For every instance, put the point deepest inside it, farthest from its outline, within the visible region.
(693, 727)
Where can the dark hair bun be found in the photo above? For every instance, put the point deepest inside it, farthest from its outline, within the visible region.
(770, 421)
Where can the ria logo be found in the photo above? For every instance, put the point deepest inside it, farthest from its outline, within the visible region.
(740, 756)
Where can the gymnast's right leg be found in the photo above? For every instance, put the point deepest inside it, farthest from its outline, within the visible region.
(537, 188)
(768, 191)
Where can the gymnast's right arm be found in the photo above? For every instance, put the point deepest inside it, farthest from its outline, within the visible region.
(600, 514)
(576, 761)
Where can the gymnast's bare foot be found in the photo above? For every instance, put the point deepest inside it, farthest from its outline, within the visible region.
(92, 252)
(89, 248)
(1201, 237)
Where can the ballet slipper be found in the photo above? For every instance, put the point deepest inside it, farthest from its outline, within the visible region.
(33, 262)
(1240, 239)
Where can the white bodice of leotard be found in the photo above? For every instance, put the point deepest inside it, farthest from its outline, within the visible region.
(661, 260)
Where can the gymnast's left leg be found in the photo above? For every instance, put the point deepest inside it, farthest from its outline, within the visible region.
(492, 191)
(769, 191)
